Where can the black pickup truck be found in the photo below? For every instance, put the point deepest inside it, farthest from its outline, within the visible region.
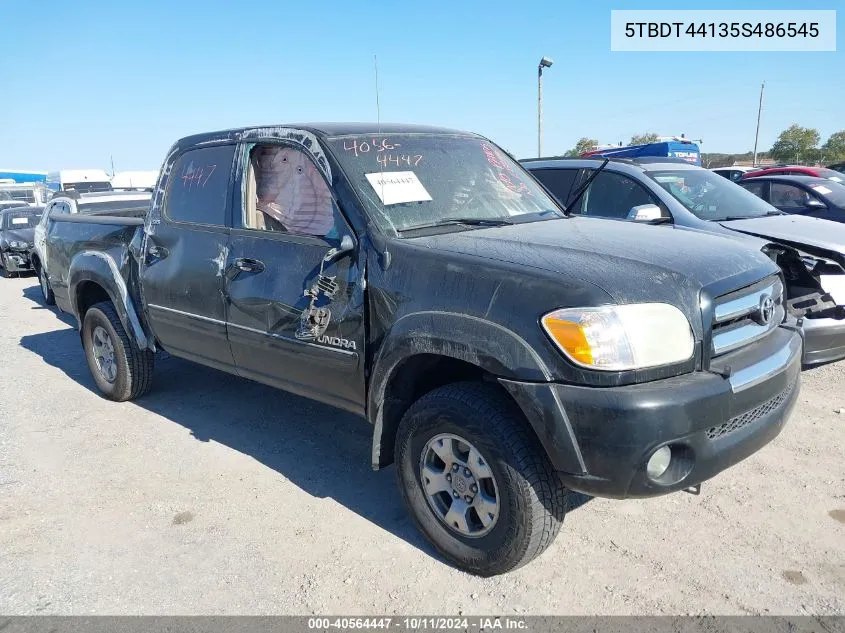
(503, 351)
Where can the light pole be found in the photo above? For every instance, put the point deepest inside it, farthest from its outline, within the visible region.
(544, 63)
(759, 112)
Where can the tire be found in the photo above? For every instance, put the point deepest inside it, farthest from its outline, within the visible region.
(129, 373)
(530, 498)
(46, 290)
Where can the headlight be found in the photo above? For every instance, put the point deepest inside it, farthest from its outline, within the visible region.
(616, 338)
(20, 245)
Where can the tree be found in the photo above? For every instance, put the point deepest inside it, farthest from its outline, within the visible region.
(644, 139)
(584, 144)
(834, 148)
(795, 144)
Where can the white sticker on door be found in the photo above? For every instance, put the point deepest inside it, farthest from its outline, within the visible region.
(396, 187)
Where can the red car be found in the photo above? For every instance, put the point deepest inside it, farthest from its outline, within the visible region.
(796, 170)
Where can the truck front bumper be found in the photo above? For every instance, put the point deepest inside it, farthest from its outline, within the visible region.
(18, 261)
(600, 440)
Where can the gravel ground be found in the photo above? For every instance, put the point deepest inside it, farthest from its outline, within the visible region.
(214, 495)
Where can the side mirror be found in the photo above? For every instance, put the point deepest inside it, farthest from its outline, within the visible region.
(645, 213)
(814, 203)
(346, 245)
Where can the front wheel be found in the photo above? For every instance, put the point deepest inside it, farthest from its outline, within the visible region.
(121, 370)
(476, 480)
(46, 290)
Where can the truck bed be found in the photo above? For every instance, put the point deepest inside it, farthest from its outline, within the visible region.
(111, 240)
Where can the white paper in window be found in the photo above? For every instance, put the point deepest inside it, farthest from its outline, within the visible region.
(396, 187)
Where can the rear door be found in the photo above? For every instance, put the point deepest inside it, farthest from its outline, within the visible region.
(185, 254)
(295, 318)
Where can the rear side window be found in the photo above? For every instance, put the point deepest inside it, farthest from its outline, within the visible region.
(754, 187)
(198, 188)
(558, 181)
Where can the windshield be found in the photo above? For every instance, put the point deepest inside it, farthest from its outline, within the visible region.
(833, 192)
(88, 186)
(409, 181)
(20, 220)
(110, 206)
(24, 194)
(710, 196)
(832, 175)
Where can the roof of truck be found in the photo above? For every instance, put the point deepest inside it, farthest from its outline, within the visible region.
(321, 129)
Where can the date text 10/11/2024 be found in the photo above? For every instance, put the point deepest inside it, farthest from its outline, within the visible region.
(383, 150)
(417, 623)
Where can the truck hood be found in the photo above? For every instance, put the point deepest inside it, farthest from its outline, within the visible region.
(19, 235)
(632, 263)
(795, 230)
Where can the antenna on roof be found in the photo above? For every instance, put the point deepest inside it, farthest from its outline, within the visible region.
(378, 119)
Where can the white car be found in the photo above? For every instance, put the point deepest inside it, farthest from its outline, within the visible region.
(732, 173)
(69, 203)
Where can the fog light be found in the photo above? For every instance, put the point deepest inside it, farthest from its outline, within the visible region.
(659, 462)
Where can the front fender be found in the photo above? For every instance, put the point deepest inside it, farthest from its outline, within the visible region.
(101, 269)
(490, 346)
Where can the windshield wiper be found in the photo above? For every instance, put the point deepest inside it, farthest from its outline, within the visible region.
(462, 222)
(580, 191)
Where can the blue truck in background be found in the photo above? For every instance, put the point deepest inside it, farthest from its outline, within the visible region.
(16, 175)
(675, 148)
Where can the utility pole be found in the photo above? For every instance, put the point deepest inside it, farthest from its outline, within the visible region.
(759, 112)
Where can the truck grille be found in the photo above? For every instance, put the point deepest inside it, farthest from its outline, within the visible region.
(747, 315)
(740, 421)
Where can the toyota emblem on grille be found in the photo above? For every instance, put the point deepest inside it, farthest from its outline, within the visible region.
(766, 310)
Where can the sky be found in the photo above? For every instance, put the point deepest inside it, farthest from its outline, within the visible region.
(89, 81)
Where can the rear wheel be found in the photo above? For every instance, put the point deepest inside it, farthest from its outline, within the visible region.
(476, 480)
(121, 370)
(46, 290)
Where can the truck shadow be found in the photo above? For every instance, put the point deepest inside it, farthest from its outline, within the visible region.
(33, 293)
(323, 451)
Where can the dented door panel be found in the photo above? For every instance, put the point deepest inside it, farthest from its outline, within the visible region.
(291, 326)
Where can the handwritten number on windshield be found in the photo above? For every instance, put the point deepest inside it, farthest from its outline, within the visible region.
(386, 160)
(364, 147)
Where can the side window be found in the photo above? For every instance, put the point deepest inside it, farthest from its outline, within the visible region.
(788, 196)
(285, 191)
(558, 181)
(613, 195)
(754, 187)
(198, 188)
(59, 208)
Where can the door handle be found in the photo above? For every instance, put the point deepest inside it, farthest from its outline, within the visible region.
(248, 265)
